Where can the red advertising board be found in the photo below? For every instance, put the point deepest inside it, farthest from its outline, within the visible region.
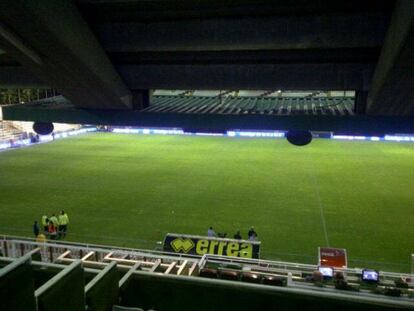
(332, 257)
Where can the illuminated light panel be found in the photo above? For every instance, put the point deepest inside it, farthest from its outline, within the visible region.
(45, 138)
(207, 134)
(174, 131)
(348, 137)
(360, 137)
(398, 138)
(148, 131)
(257, 134)
(120, 131)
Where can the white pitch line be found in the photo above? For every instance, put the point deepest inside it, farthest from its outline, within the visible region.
(316, 186)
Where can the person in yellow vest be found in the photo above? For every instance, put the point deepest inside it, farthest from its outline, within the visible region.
(54, 220)
(45, 222)
(63, 223)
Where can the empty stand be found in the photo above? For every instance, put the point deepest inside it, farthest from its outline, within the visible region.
(334, 106)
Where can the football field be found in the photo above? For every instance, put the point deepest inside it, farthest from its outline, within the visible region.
(130, 190)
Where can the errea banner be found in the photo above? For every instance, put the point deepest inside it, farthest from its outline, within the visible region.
(201, 245)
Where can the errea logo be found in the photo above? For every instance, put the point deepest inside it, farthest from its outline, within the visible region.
(200, 246)
(180, 244)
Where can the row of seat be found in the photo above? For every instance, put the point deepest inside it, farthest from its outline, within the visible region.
(251, 105)
(244, 276)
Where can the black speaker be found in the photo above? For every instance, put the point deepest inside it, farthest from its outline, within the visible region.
(43, 128)
(299, 138)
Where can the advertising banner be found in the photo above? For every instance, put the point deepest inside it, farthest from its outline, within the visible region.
(201, 245)
(333, 257)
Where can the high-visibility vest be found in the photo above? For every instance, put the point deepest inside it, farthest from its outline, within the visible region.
(63, 219)
(54, 220)
(44, 221)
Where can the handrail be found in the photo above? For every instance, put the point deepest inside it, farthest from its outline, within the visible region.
(97, 247)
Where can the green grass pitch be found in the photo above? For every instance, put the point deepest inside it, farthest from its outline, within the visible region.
(130, 190)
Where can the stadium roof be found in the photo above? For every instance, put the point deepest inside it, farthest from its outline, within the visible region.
(110, 55)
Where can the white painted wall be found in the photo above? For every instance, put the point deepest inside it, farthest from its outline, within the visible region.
(28, 126)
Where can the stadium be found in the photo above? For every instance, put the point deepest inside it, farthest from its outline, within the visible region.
(217, 172)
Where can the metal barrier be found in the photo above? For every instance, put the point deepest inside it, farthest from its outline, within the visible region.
(296, 269)
(52, 251)
(98, 256)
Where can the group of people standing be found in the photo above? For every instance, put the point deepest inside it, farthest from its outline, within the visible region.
(251, 234)
(54, 227)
